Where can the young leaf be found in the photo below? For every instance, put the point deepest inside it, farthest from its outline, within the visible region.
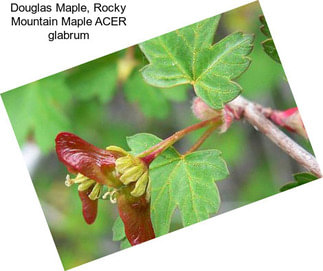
(187, 56)
(268, 44)
(300, 178)
(183, 181)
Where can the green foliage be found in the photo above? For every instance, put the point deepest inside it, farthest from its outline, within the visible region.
(97, 78)
(152, 101)
(187, 56)
(38, 108)
(86, 100)
(268, 44)
(262, 76)
(300, 178)
(183, 181)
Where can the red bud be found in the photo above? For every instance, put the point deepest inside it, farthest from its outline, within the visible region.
(289, 119)
(204, 112)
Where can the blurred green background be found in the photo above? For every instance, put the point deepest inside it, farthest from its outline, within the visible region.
(105, 100)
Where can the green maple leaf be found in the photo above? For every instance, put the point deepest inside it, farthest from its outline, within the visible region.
(152, 101)
(186, 182)
(37, 109)
(187, 56)
(268, 44)
(300, 178)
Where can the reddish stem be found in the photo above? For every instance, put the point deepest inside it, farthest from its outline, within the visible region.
(149, 155)
(205, 135)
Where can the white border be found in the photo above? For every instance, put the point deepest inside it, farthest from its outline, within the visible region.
(283, 232)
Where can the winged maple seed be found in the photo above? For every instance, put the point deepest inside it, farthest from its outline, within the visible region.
(124, 175)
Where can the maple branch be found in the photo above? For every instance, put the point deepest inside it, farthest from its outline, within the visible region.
(250, 112)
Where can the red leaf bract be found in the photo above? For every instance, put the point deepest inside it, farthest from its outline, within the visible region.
(89, 207)
(135, 214)
(80, 156)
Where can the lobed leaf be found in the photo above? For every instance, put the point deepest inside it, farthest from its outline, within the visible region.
(187, 56)
(179, 181)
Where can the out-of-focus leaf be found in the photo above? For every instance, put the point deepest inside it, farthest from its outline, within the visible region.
(187, 56)
(38, 108)
(176, 94)
(268, 44)
(255, 81)
(232, 143)
(304, 177)
(300, 178)
(183, 181)
(118, 230)
(152, 101)
(97, 78)
(125, 243)
(92, 120)
(119, 233)
(258, 185)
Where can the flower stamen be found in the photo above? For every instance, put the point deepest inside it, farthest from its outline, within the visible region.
(68, 181)
(85, 185)
(133, 169)
(140, 185)
(96, 191)
(111, 195)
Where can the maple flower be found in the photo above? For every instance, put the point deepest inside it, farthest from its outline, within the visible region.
(125, 176)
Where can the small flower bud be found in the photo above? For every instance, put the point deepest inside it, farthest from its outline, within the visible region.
(204, 112)
(289, 119)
